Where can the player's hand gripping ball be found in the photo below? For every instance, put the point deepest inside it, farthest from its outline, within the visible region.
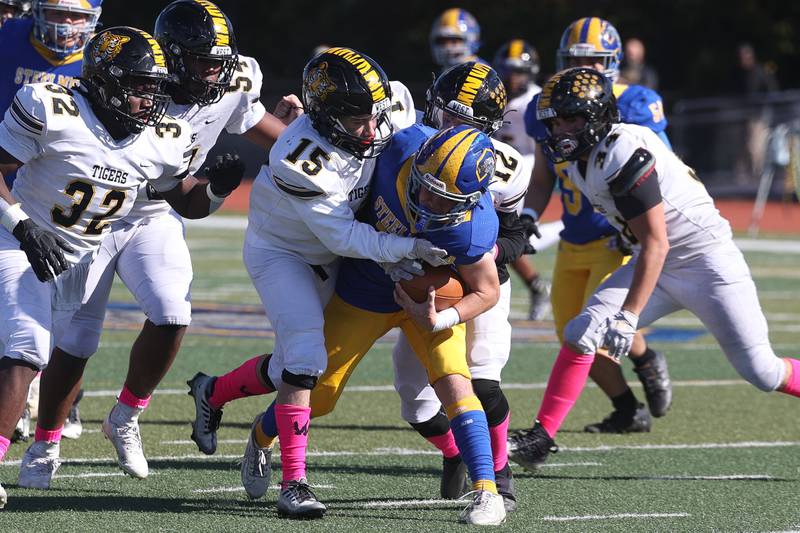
(449, 286)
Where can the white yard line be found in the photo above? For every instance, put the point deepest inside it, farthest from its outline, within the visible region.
(414, 503)
(212, 490)
(92, 474)
(613, 516)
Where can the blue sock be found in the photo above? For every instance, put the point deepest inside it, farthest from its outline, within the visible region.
(471, 432)
(268, 424)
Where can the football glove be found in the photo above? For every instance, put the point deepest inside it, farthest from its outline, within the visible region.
(620, 330)
(426, 251)
(226, 174)
(529, 218)
(404, 269)
(45, 250)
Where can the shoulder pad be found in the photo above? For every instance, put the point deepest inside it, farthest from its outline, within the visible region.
(407, 141)
(247, 77)
(633, 173)
(172, 128)
(301, 166)
(41, 107)
(511, 177)
(403, 112)
(642, 106)
(533, 126)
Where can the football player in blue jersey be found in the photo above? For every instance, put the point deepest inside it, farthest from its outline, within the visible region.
(432, 184)
(590, 248)
(455, 38)
(12, 9)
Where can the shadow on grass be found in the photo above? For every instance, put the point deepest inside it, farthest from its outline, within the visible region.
(650, 477)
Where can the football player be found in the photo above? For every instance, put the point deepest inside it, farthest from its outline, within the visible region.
(302, 217)
(82, 157)
(489, 334)
(590, 248)
(215, 89)
(12, 9)
(517, 63)
(455, 38)
(681, 244)
(434, 190)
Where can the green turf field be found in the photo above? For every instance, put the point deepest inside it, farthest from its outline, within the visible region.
(726, 458)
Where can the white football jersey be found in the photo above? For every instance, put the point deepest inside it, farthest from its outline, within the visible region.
(239, 110)
(76, 180)
(513, 132)
(403, 112)
(694, 224)
(305, 201)
(512, 174)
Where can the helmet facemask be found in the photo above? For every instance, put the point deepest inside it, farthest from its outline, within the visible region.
(189, 65)
(607, 58)
(331, 127)
(116, 96)
(427, 220)
(571, 146)
(55, 35)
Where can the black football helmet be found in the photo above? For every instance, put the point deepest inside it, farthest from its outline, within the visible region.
(193, 33)
(120, 62)
(516, 56)
(341, 82)
(574, 92)
(472, 92)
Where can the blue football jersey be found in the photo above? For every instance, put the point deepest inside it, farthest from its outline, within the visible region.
(582, 224)
(363, 283)
(24, 60)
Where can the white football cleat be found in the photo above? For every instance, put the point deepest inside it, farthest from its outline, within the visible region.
(39, 465)
(3, 497)
(297, 500)
(485, 509)
(123, 432)
(256, 465)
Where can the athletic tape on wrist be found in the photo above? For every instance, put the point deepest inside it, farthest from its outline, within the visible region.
(446, 319)
(214, 201)
(12, 216)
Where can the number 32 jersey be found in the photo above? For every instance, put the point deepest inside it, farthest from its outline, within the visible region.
(305, 201)
(76, 179)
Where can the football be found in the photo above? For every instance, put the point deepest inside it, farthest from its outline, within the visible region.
(450, 288)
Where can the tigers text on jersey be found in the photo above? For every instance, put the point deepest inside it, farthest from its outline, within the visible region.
(305, 201)
(363, 283)
(239, 110)
(513, 131)
(512, 174)
(75, 178)
(582, 224)
(694, 225)
(24, 60)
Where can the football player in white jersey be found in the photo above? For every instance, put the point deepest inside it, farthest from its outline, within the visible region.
(81, 156)
(215, 89)
(302, 217)
(684, 258)
(517, 63)
(473, 93)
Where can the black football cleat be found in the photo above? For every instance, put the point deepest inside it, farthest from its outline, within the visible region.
(505, 487)
(455, 480)
(637, 421)
(530, 447)
(654, 376)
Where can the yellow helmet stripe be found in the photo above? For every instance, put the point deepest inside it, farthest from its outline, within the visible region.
(158, 54)
(445, 162)
(576, 30)
(220, 24)
(369, 74)
(450, 17)
(473, 81)
(594, 31)
(515, 48)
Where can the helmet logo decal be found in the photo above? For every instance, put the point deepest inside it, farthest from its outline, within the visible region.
(367, 72)
(472, 83)
(319, 83)
(220, 24)
(108, 46)
(485, 166)
(586, 84)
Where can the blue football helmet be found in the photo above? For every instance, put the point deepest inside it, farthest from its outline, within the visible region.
(56, 35)
(456, 164)
(455, 24)
(591, 37)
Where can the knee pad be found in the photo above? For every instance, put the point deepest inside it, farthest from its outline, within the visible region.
(579, 333)
(298, 380)
(436, 426)
(263, 371)
(493, 400)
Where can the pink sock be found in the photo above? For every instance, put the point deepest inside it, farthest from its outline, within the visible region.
(564, 386)
(128, 398)
(238, 383)
(445, 443)
(4, 444)
(47, 435)
(792, 387)
(293, 421)
(499, 435)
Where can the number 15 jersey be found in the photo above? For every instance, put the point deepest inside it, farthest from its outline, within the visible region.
(76, 179)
